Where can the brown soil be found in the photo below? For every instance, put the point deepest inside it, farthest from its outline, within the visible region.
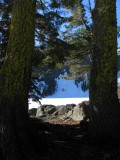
(68, 141)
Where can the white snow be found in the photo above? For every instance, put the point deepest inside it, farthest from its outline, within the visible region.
(118, 80)
(67, 93)
(118, 51)
(56, 101)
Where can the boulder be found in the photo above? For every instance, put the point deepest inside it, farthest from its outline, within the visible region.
(86, 109)
(65, 109)
(70, 106)
(40, 111)
(68, 112)
(32, 112)
(45, 110)
(78, 113)
(50, 109)
(61, 110)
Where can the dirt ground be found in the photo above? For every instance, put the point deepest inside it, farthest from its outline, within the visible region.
(68, 141)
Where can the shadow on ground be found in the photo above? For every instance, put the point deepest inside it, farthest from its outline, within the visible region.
(68, 142)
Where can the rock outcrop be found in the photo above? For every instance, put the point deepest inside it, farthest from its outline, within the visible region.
(45, 110)
(73, 112)
(32, 112)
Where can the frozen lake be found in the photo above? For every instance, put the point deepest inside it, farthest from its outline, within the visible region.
(56, 101)
(67, 93)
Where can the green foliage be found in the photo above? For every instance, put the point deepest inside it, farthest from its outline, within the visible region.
(50, 48)
(54, 47)
(79, 35)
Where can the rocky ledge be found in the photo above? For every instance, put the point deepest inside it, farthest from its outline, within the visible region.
(57, 114)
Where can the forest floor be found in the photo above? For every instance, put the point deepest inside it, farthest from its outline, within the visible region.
(68, 141)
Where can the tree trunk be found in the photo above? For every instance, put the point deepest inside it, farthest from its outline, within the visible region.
(105, 109)
(15, 83)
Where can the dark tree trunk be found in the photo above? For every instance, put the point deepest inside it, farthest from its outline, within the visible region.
(15, 83)
(105, 109)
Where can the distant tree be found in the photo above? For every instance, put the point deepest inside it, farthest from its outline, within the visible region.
(15, 77)
(105, 114)
(78, 33)
(49, 48)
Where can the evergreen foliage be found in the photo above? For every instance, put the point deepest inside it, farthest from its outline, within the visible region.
(53, 46)
(73, 45)
(78, 34)
(82, 44)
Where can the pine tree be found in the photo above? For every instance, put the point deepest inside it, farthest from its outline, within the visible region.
(15, 82)
(105, 114)
(78, 34)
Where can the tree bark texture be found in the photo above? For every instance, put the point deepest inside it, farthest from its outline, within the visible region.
(15, 82)
(105, 109)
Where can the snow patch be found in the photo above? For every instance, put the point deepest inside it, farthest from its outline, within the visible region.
(56, 101)
(118, 80)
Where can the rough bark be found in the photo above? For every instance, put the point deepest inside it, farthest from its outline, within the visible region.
(105, 109)
(15, 83)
